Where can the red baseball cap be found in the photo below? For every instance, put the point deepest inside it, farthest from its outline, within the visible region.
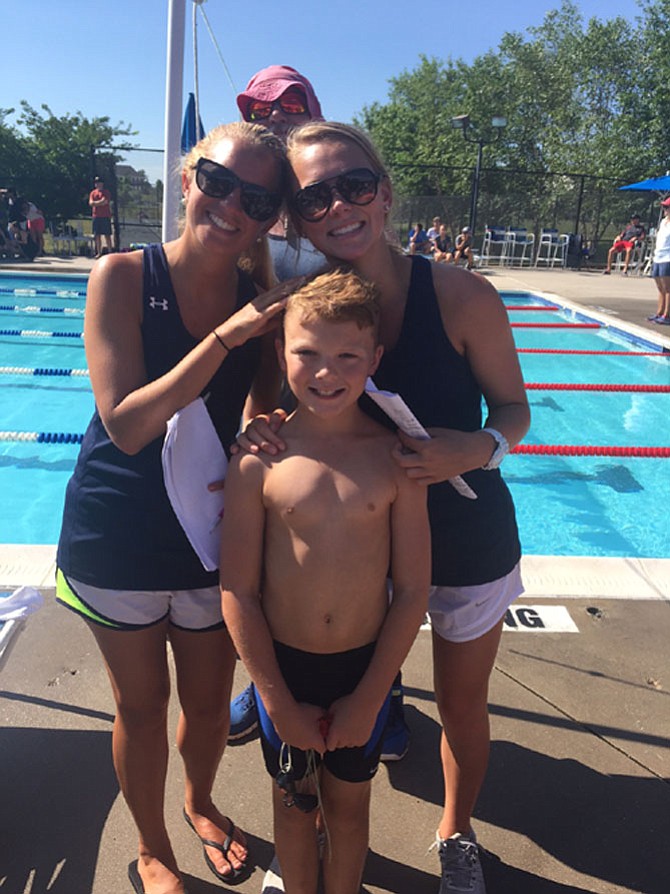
(269, 84)
(665, 202)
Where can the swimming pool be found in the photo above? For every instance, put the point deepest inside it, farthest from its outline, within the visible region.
(567, 505)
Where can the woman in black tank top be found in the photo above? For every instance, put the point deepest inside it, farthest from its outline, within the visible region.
(447, 343)
(163, 327)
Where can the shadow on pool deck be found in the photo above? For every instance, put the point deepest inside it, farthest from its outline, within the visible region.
(576, 799)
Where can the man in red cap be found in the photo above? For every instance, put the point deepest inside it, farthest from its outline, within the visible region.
(626, 241)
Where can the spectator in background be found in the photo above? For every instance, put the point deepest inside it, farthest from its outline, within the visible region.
(442, 247)
(6, 197)
(434, 231)
(464, 247)
(661, 267)
(100, 200)
(36, 226)
(626, 241)
(419, 243)
(20, 237)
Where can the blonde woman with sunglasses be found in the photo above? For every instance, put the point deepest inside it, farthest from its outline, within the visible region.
(164, 326)
(447, 344)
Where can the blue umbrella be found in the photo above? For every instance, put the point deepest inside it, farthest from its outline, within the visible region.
(658, 184)
(189, 133)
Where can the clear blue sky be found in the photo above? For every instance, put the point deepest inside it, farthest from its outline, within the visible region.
(109, 58)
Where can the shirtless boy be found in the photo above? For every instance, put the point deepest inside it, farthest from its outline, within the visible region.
(308, 540)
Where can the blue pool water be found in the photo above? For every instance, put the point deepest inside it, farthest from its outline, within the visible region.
(582, 505)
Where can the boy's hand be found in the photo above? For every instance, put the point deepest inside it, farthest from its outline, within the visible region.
(300, 727)
(351, 723)
(261, 434)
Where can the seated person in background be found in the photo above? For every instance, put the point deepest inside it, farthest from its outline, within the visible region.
(18, 231)
(433, 231)
(308, 537)
(442, 247)
(626, 241)
(419, 243)
(464, 248)
(8, 247)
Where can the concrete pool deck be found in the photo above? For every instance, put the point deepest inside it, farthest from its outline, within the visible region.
(577, 797)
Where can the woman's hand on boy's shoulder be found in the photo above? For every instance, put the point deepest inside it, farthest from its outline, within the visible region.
(261, 434)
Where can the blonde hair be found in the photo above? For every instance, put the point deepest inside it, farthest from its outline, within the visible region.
(339, 296)
(256, 260)
(334, 131)
(252, 134)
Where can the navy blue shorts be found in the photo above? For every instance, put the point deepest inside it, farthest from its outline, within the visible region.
(102, 226)
(320, 679)
(661, 269)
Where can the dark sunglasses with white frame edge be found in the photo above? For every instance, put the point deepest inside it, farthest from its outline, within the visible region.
(218, 182)
(356, 187)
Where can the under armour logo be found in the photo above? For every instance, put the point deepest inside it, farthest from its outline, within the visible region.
(154, 303)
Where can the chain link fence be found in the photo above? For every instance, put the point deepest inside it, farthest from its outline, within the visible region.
(592, 208)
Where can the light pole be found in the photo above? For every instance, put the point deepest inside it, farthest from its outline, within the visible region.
(463, 123)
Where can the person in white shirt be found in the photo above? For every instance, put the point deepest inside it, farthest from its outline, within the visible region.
(661, 267)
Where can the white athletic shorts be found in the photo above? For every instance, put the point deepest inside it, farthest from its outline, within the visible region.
(198, 609)
(461, 614)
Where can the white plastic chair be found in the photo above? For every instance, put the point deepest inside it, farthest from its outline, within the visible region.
(645, 265)
(552, 248)
(518, 238)
(494, 245)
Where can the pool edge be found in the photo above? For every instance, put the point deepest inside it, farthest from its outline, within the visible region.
(563, 577)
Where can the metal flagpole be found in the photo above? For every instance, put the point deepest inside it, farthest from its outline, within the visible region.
(173, 113)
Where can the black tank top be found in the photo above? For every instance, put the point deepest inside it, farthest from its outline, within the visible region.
(473, 541)
(119, 530)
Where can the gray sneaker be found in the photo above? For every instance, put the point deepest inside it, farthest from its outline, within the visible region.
(461, 869)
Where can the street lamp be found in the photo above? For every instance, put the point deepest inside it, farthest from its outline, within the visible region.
(463, 123)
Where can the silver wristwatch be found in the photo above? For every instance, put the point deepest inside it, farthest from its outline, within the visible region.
(501, 451)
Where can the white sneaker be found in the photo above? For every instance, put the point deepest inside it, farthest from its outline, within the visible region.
(273, 882)
(461, 869)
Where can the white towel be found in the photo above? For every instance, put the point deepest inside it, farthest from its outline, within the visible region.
(192, 458)
(21, 603)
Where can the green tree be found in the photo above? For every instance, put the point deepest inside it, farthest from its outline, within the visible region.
(652, 81)
(588, 98)
(52, 163)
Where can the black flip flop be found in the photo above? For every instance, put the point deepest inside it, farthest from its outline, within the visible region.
(135, 878)
(235, 876)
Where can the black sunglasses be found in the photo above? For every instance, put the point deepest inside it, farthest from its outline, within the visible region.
(357, 187)
(217, 182)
